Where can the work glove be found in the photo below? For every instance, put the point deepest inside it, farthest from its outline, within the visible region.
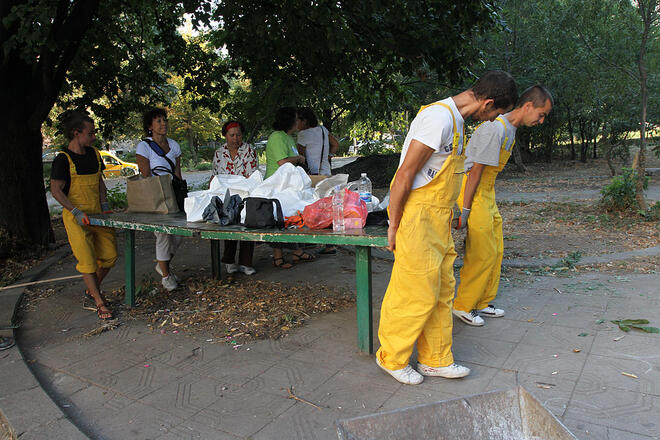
(80, 216)
(105, 208)
(461, 222)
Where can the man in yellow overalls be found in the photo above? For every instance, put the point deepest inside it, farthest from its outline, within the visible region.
(417, 304)
(77, 184)
(487, 153)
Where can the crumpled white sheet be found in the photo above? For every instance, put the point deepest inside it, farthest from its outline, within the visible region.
(197, 201)
(289, 184)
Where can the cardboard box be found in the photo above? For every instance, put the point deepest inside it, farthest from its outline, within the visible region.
(316, 178)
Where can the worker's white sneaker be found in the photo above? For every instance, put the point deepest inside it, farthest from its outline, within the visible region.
(491, 312)
(231, 267)
(405, 375)
(247, 270)
(160, 272)
(470, 318)
(452, 371)
(169, 282)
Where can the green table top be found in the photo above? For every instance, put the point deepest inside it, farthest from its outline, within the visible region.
(374, 236)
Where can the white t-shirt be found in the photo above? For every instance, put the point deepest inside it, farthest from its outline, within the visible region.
(312, 140)
(434, 128)
(486, 141)
(144, 150)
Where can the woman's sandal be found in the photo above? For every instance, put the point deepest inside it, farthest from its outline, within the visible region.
(328, 250)
(99, 307)
(103, 312)
(304, 257)
(281, 264)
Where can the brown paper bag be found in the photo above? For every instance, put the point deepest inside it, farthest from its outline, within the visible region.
(151, 194)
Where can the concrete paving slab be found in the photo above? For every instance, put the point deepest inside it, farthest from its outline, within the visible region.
(554, 391)
(140, 380)
(244, 416)
(560, 337)
(543, 361)
(187, 396)
(605, 372)
(482, 350)
(614, 408)
(60, 429)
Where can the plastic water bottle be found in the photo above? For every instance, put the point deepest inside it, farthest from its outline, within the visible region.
(364, 189)
(338, 210)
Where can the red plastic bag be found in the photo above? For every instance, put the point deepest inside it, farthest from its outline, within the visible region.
(318, 215)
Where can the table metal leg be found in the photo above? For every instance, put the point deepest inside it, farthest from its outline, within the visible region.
(364, 306)
(216, 260)
(129, 267)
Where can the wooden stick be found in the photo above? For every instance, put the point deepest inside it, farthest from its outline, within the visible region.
(41, 282)
(293, 396)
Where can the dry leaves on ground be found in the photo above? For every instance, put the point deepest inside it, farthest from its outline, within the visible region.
(237, 310)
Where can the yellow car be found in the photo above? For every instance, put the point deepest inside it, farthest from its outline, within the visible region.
(115, 167)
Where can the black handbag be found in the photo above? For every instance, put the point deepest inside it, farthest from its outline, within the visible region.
(263, 213)
(180, 186)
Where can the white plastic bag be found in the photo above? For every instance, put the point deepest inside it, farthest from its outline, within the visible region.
(197, 201)
(291, 186)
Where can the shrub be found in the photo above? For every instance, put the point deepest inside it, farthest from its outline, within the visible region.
(371, 147)
(117, 197)
(620, 194)
(203, 166)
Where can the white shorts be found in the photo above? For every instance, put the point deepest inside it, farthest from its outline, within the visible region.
(166, 245)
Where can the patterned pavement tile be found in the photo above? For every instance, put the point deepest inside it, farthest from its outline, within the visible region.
(543, 361)
(482, 351)
(242, 415)
(605, 372)
(623, 410)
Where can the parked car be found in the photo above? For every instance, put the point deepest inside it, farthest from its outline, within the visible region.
(49, 156)
(115, 167)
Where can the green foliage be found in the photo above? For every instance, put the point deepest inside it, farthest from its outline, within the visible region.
(117, 198)
(620, 194)
(369, 54)
(47, 168)
(369, 148)
(569, 262)
(627, 324)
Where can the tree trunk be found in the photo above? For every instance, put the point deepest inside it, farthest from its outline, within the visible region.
(517, 157)
(609, 147)
(29, 93)
(190, 136)
(648, 12)
(584, 146)
(570, 133)
(23, 207)
(326, 114)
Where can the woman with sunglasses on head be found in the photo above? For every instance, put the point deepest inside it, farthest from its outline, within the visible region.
(155, 152)
(238, 158)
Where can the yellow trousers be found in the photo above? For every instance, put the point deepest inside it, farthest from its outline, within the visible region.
(484, 248)
(93, 246)
(417, 304)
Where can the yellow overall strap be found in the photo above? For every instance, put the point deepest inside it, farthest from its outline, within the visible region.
(72, 167)
(457, 135)
(506, 137)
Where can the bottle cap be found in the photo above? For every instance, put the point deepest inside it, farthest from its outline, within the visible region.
(364, 174)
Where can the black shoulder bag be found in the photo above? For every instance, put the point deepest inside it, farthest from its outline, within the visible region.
(260, 213)
(180, 186)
